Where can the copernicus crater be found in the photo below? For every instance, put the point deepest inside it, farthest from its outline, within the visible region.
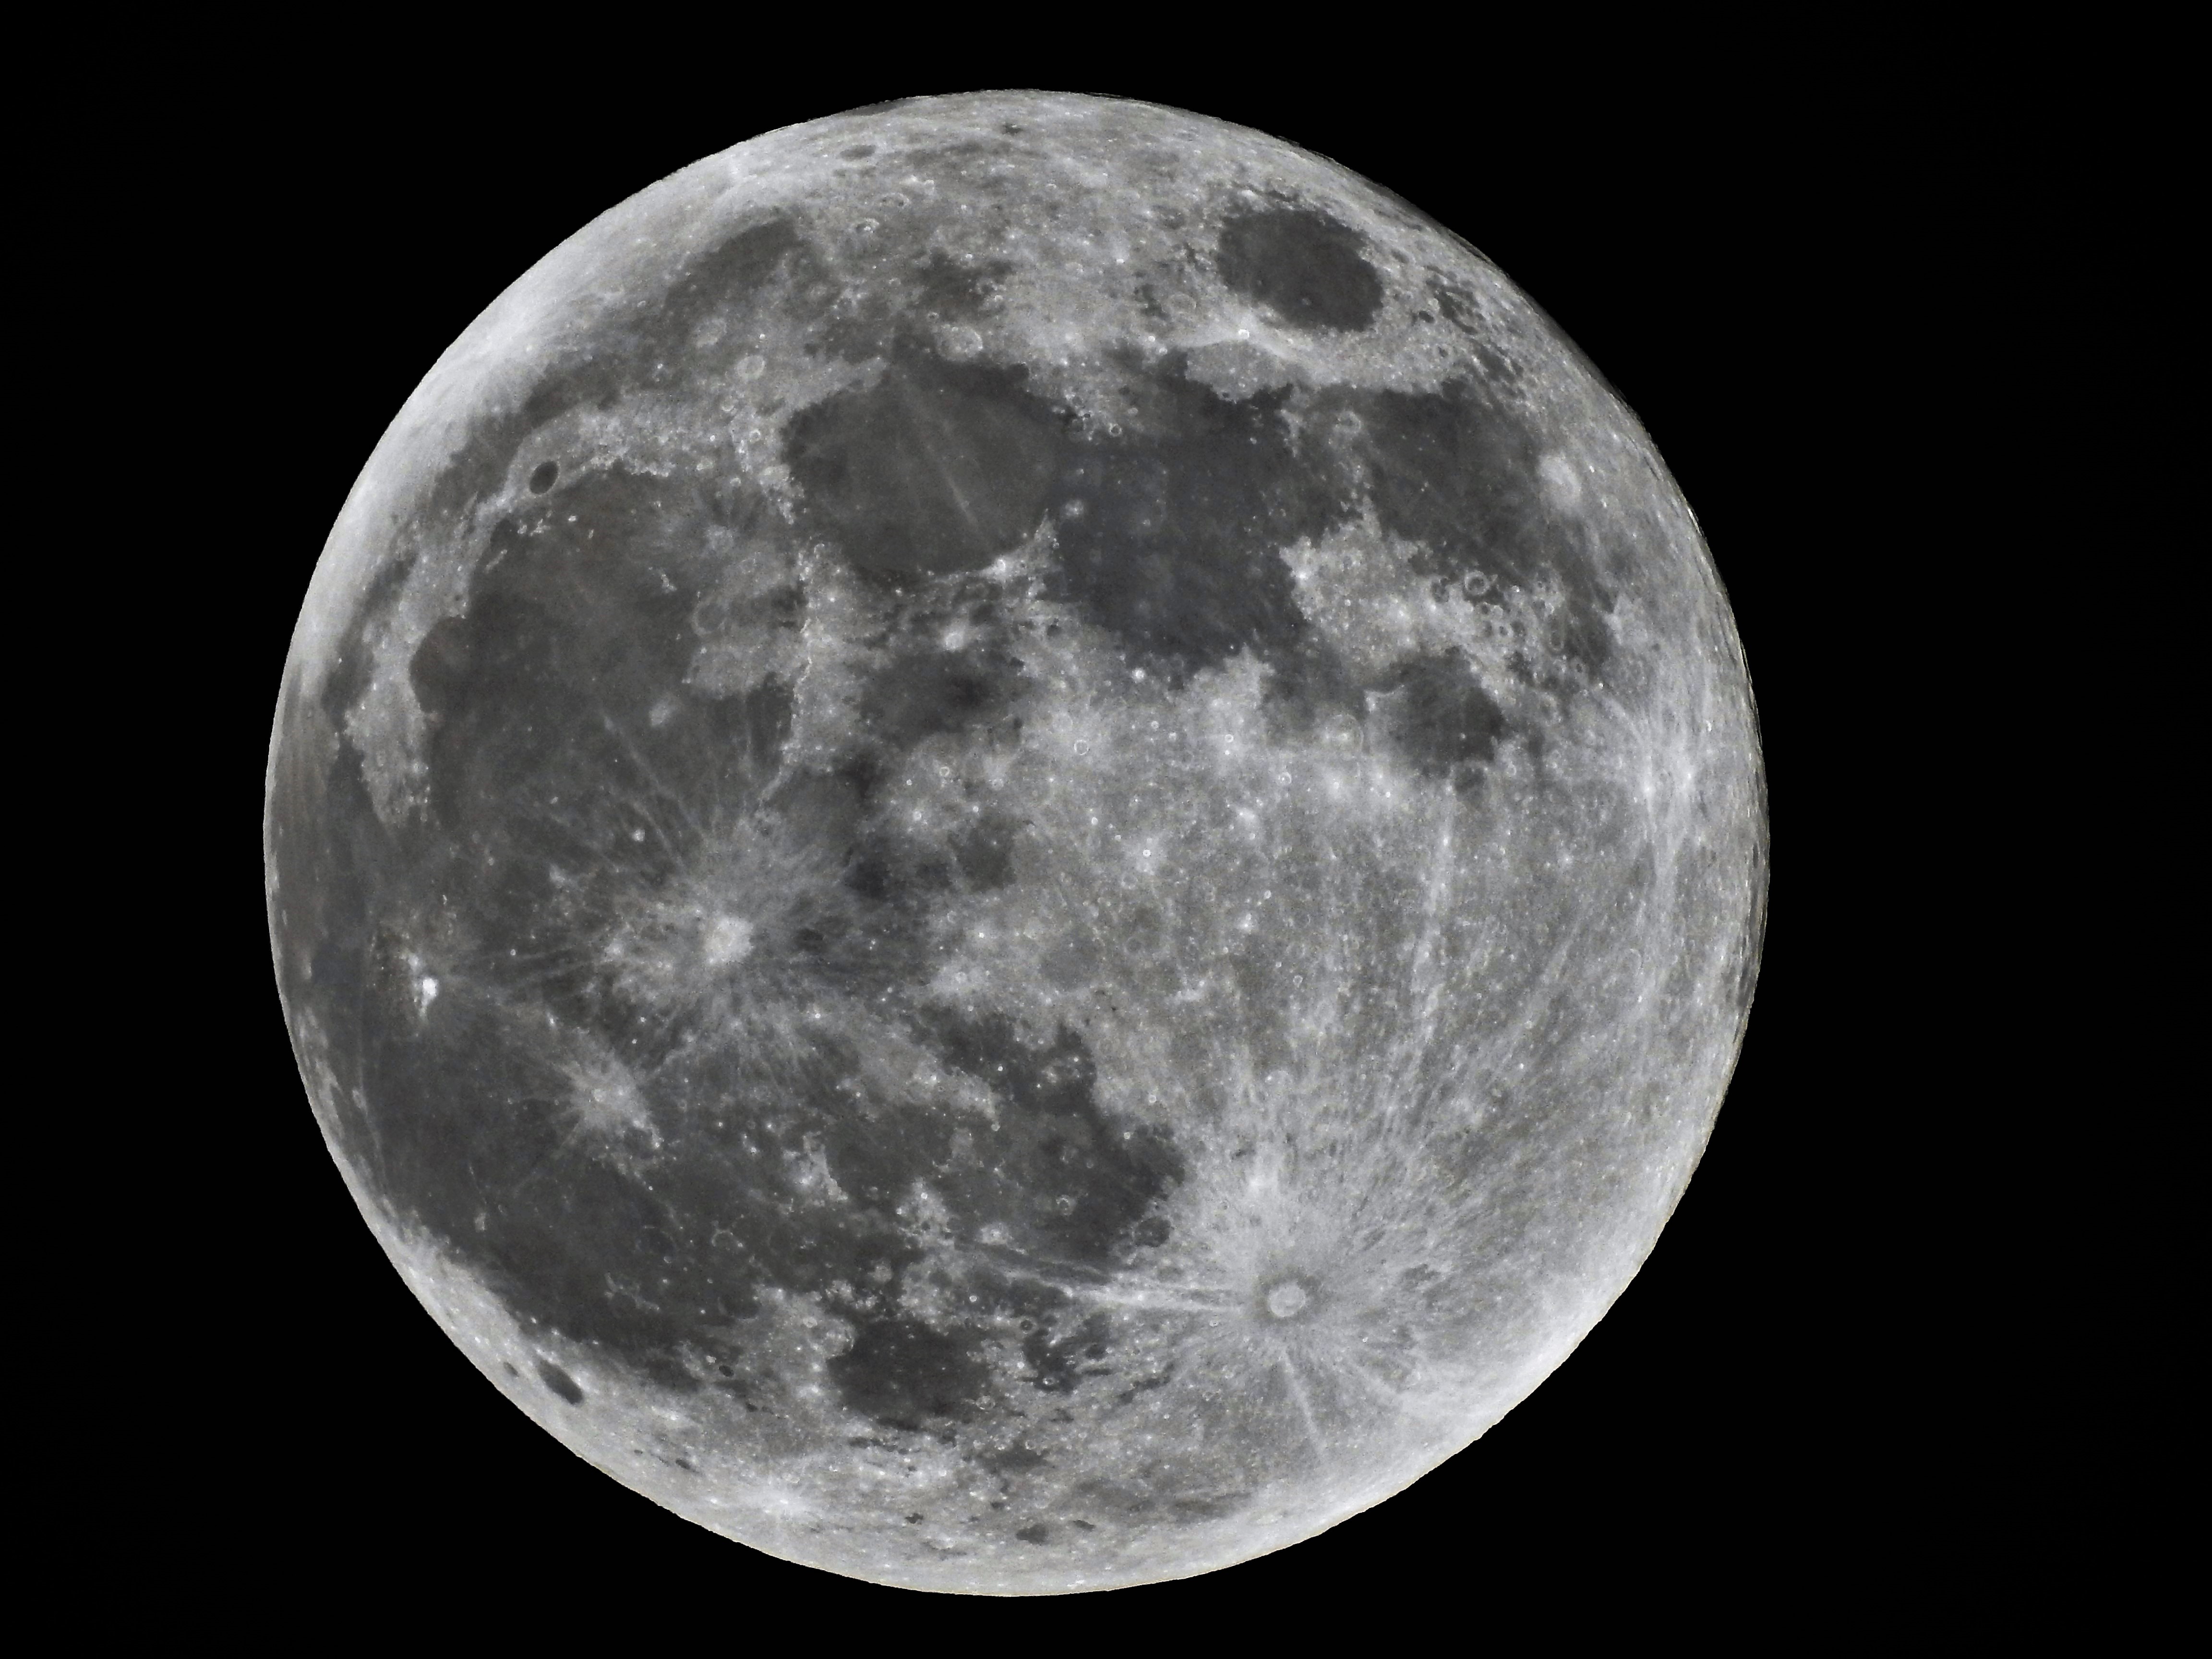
(1013, 845)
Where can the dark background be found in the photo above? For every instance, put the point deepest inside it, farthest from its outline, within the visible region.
(1728, 261)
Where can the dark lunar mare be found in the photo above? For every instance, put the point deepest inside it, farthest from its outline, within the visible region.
(1172, 536)
(1456, 473)
(575, 775)
(933, 467)
(1443, 720)
(1308, 268)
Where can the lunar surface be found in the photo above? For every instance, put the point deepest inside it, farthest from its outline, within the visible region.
(1014, 844)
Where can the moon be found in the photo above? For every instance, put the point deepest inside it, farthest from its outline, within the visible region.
(1015, 845)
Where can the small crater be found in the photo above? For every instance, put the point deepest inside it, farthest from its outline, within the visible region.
(1037, 1534)
(560, 1381)
(541, 480)
(1285, 1300)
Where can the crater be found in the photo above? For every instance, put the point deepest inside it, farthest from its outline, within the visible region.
(560, 1381)
(728, 939)
(1286, 1299)
(1302, 264)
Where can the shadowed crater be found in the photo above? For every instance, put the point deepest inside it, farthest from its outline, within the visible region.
(560, 1381)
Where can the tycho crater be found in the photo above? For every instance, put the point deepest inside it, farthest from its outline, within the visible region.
(1014, 844)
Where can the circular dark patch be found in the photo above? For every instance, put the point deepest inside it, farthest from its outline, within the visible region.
(1302, 264)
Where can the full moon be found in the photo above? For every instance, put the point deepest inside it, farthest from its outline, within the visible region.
(1014, 844)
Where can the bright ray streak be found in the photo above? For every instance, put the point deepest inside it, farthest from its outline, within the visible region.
(1287, 1368)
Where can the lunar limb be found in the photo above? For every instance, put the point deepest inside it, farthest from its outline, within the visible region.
(1014, 844)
